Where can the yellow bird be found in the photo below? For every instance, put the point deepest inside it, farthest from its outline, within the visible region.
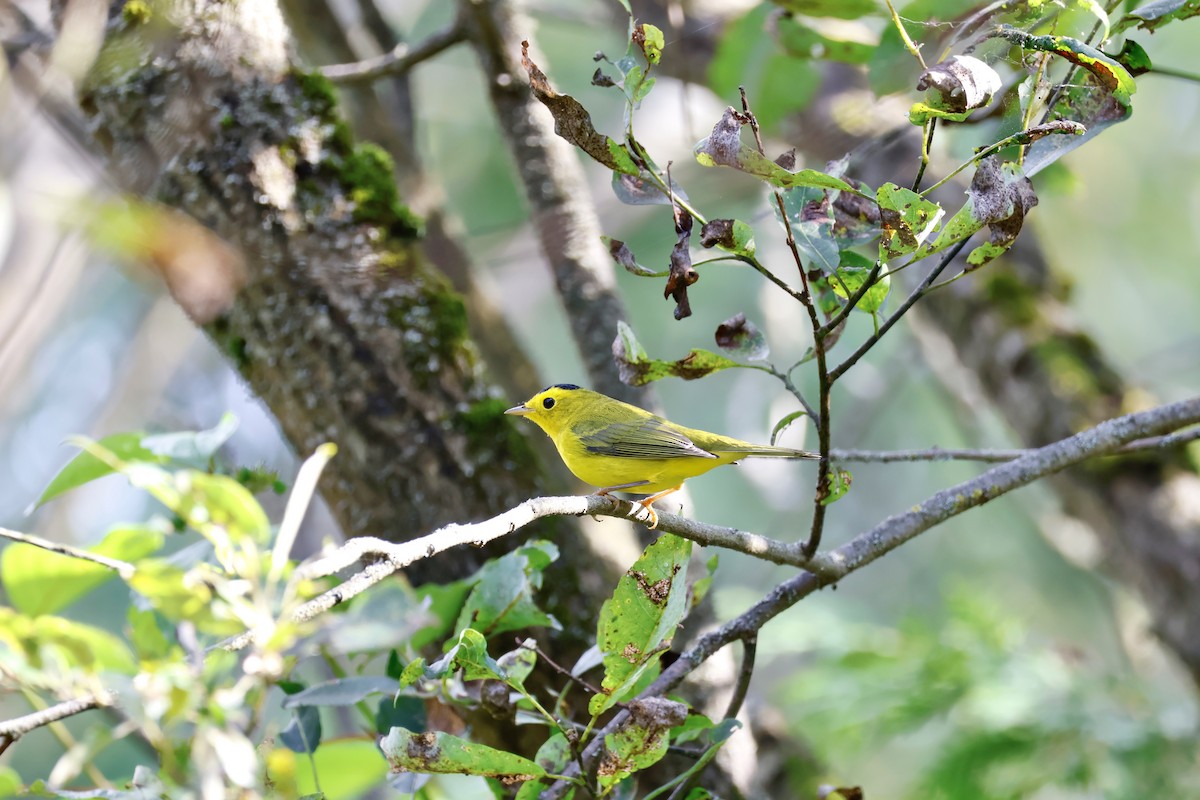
(619, 447)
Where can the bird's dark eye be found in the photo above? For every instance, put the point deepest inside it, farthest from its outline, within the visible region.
(548, 403)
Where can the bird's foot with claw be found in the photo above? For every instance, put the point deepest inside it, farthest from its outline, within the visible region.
(644, 514)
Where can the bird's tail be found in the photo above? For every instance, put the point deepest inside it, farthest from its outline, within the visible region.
(764, 451)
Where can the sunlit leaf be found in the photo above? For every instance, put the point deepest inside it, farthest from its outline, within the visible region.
(502, 598)
(38, 581)
(853, 273)
(638, 622)
(86, 467)
(636, 368)
(64, 642)
(441, 753)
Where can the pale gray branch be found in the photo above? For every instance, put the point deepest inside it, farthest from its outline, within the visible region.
(14, 729)
(999, 455)
(399, 60)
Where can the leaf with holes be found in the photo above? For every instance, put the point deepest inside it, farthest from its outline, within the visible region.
(638, 622)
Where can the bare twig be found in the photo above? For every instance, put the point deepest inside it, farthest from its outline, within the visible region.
(123, 568)
(749, 651)
(401, 58)
(14, 729)
(999, 455)
(561, 670)
(916, 295)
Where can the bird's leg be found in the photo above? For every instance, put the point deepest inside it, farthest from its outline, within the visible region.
(620, 487)
(654, 514)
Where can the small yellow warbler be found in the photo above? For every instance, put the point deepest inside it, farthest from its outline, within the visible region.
(619, 447)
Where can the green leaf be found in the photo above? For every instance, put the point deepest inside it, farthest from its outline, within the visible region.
(39, 581)
(907, 220)
(341, 691)
(999, 196)
(502, 598)
(194, 448)
(517, 665)
(638, 622)
(47, 640)
(347, 768)
(441, 753)
(853, 273)
(1133, 57)
(637, 369)
(149, 638)
(86, 467)
(303, 733)
(10, 781)
(839, 484)
(1160, 12)
(181, 596)
(413, 672)
(810, 218)
(784, 423)
(471, 656)
(802, 41)
(652, 42)
(1097, 99)
(642, 741)
(838, 9)
(554, 754)
(1107, 71)
(731, 235)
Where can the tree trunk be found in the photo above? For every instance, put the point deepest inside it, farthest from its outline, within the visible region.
(337, 321)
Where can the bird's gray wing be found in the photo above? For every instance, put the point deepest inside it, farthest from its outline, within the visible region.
(649, 438)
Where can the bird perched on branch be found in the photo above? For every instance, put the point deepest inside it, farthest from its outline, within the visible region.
(619, 447)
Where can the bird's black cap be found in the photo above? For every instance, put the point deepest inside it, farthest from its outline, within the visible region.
(567, 386)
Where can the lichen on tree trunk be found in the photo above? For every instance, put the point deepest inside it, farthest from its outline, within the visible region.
(339, 325)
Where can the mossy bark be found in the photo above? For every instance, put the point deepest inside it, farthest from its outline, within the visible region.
(339, 325)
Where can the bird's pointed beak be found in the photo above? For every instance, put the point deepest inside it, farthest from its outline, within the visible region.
(520, 411)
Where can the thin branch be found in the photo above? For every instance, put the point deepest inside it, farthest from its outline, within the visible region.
(916, 295)
(829, 568)
(852, 301)
(561, 670)
(14, 729)
(786, 379)
(909, 44)
(123, 568)
(401, 59)
(998, 455)
(749, 651)
(1175, 73)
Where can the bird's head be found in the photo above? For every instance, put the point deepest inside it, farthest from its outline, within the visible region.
(554, 407)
